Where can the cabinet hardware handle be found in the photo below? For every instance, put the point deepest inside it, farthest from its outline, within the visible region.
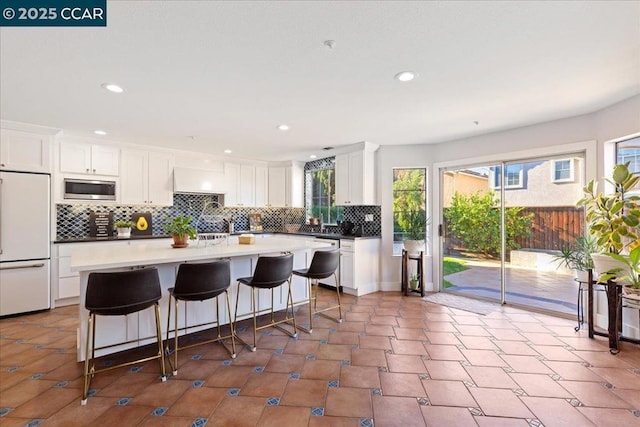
(40, 264)
(94, 171)
(2, 164)
(87, 170)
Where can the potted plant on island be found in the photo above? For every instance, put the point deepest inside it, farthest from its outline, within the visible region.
(578, 257)
(124, 227)
(414, 225)
(181, 230)
(614, 221)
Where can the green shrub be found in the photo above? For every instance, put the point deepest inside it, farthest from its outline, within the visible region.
(475, 220)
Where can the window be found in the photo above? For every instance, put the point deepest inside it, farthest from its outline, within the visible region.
(409, 199)
(513, 176)
(562, 170)
(629, 151)
(320, 190)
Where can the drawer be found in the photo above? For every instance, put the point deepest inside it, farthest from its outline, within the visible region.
(347, 244)
(68, 287)
(64, 268)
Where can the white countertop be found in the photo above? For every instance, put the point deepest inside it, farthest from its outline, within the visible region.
(153, 253)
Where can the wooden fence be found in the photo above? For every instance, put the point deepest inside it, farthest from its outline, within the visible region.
(553, 228)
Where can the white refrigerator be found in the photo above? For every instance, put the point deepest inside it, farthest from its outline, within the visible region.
(25, 203)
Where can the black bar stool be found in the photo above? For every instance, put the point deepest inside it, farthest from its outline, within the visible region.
(324, 264)
(270, 272)
(200, 282)
(119, 294)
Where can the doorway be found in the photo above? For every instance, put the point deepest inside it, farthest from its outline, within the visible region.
(503, 225)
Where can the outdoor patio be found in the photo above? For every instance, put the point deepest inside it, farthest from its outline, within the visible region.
(527, 286)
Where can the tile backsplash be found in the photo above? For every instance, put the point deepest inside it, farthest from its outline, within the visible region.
(72, 221)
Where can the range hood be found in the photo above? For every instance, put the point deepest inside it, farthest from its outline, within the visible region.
(200, 181)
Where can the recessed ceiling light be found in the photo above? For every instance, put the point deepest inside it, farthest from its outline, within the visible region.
(283, 127)
(227, 151)
(405, 76)
(313, 156)
(99, 132)
(112, 87)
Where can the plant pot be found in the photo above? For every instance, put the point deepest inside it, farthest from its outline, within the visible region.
(414, 247)
(581, 275)
(124, 232)
(180, 241)
(413, 284)
(631, 296)
(604, 263)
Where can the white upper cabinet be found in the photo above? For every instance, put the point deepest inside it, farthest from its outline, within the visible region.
(355, 177)
(146, 178)
(262, 186)
(89, 159)
(286, 183)
(277, 186)
(24, 151)
(246, 185)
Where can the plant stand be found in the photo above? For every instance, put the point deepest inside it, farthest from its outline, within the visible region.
(614, 300)
(406, 257)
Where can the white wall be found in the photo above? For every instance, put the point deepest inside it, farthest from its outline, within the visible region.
(579, 132)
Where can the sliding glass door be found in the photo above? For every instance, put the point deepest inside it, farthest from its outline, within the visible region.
(503, 226)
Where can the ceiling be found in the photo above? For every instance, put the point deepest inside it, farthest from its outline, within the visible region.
(209, 76)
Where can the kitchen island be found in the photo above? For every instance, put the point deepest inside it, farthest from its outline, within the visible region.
(138, 329)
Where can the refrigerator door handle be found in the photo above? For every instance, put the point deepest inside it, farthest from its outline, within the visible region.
(16, 267)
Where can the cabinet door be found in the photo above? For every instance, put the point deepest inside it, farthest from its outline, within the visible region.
(356, 178)
(134, 177)
(104, 160)
(23, 151)
(261, 186)
(347, 269)
(247, 186)
(75, 157)
(232, 177)
(160, 179)
(277, 186)
(342, 179)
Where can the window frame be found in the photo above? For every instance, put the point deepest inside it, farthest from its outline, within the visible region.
(425, 170)
(496, 179)
(554, 170)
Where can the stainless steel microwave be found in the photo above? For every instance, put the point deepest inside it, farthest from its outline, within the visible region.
(88, 189)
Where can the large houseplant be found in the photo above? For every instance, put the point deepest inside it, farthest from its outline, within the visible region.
(181, 230)
(614, 221)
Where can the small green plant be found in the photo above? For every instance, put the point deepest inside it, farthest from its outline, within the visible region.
(414, 224)
(123, 223)
(578, 257)
(180, 225)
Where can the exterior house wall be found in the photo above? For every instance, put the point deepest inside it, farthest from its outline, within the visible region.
(461, 182)
(539, 189)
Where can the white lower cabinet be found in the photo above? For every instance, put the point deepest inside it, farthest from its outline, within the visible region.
(359, 266)
(65, 284)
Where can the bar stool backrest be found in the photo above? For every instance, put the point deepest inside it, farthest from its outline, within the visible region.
(124, 292)
(272, 271)
(324, 264)
(199, 282)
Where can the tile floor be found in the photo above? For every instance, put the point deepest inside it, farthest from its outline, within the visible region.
(395, 361)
